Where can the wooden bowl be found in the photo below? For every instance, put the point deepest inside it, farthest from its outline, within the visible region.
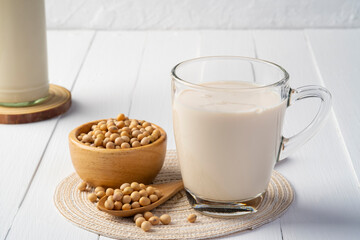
(113, 167)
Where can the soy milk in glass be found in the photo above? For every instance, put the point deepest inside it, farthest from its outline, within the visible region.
(228, 139)
(228, 115)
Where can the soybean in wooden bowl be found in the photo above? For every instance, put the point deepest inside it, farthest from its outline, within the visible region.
(112, 167)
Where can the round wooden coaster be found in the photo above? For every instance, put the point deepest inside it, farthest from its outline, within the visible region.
(58, 102)
(75, 207)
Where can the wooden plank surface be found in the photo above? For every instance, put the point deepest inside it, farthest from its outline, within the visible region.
(337, 57)
(264, 233)
(101, 90)
(151, 98)
(130, 72)
(327, 201)
(23, 145)
(152, 95)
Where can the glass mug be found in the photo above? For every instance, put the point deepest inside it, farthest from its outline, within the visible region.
(228, 114)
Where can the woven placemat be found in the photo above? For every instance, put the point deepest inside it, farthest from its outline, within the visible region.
(75, 206)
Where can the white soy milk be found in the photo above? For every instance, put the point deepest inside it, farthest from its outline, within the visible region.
(23, 57)
(227, 141)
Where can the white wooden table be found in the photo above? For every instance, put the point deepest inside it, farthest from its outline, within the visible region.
(129, 72)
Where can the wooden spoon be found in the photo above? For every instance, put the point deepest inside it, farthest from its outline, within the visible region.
(168, 190)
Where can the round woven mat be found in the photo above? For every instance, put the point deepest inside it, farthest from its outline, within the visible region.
(75, 206)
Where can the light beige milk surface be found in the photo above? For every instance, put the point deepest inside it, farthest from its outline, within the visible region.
(227, 141)
(23, 58)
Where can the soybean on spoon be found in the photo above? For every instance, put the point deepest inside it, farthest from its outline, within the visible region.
(168, 190)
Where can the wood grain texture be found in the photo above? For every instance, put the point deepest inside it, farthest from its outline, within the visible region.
(23, 145)
(152, 93)
(101, 91)
(167, 190)
(327, 201)
(58, 102)
(233, 43)
(337, 57)
(113, 167)
(265, 232)
(130, 72)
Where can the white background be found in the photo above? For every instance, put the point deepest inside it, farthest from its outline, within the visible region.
(201, 14)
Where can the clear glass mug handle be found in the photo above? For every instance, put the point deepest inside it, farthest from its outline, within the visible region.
(290, 145)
